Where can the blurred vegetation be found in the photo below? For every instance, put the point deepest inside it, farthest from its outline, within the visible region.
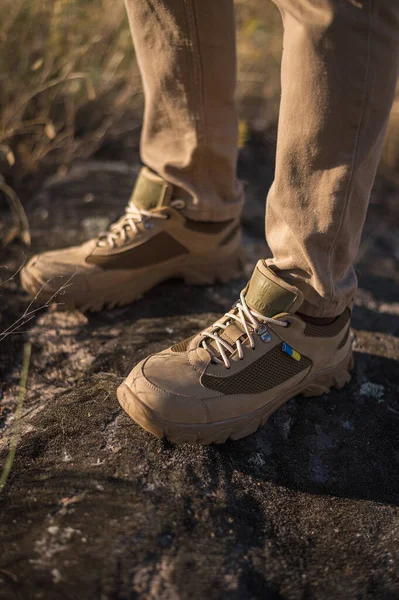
(70, 86)
(68, 78)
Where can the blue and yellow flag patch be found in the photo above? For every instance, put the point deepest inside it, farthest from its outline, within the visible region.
(290, 351)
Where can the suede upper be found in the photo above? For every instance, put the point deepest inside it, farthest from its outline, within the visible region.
(189, 381)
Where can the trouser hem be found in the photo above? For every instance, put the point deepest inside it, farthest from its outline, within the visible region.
(329, 310)
(225, 213)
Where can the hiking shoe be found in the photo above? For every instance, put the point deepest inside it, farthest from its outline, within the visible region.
(150, 243)
(226, 381)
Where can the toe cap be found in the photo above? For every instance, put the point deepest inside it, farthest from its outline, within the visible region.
(173, 373)
(165, 404)
(47, 272)
(60, 263)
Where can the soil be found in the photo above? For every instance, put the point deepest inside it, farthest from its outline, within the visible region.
(96, 508)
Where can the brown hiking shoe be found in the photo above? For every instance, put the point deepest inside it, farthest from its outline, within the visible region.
(226, 381)
(150, 243)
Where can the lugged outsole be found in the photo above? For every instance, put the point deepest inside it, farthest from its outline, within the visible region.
(237, 428)
(196, 273)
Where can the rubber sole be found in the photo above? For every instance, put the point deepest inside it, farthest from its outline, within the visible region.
(193, 270)
(237, 428)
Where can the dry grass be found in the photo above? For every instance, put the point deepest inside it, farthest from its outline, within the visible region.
(67, 77)
(17, 418)
(69, 82)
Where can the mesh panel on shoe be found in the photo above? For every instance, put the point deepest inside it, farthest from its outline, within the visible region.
(271, 369)
(328, 330)
(157, 249)
(183, 345)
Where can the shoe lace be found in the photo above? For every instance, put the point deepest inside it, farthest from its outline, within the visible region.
(129, 221)
(249, 319)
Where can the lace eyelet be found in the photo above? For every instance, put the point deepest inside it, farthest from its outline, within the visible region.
(288, 324)
(177, 203)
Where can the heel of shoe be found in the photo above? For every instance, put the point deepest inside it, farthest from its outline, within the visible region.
(336, 378)
(205, 271)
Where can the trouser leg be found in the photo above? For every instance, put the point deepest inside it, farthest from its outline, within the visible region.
(186, 54)
(339, 73)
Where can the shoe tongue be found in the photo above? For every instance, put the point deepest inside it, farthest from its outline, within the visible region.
(269, 295)
(151, 191)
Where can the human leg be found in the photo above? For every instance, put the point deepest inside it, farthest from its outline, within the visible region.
(339, 73)
(338, 76)
(183, 217)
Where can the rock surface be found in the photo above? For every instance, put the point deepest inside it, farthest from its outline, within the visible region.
(96, 508)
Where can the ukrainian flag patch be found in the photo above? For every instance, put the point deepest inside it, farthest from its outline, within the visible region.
(290, 351)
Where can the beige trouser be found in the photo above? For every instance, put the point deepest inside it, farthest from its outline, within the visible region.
(339, 73)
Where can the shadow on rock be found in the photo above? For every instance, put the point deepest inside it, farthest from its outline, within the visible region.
(340, 444)
(96, 504)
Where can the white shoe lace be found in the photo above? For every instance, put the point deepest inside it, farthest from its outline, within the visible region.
(128, 221)
(247, 318)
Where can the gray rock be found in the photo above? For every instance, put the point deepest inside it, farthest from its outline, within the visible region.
(96, 508)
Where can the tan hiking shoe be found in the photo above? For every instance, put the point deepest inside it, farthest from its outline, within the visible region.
(226, 381)
(150, 243)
